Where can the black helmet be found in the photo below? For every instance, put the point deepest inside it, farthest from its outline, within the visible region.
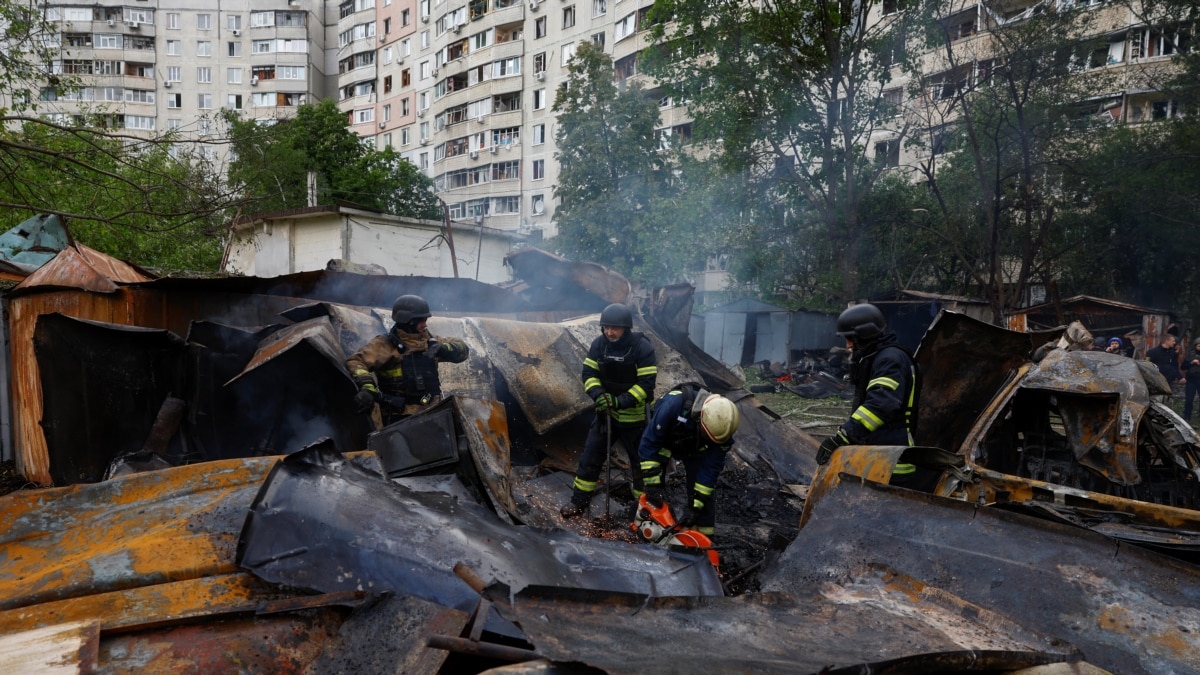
(616, 314)
(864, 322)
(409, 308)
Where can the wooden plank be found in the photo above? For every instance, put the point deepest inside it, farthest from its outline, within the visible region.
(63, 648)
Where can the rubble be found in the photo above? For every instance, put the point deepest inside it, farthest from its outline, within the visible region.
(221, 508)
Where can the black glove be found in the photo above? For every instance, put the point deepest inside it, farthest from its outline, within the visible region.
(364, 400)
(433, 346)
(828, 446)
(687, 518)
(655, 495)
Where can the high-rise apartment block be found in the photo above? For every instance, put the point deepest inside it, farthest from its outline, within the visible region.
(462, 90)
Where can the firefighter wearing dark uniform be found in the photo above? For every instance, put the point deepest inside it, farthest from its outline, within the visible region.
(696, 428)
(887, 388)
(399, 370)
(619, 374)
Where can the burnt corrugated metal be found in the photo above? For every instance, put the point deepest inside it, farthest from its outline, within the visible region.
(78, 266)
(1126, 609)
(864, 620)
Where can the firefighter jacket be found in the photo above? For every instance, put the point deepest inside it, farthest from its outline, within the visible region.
(627, 369)
(403, 366)
(674, 431)
(886, 392)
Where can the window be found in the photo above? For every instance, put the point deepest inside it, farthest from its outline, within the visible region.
(263, 100)
(174, 74)
(291, 72)
(599, 7)
(539, 62)
(204, 74)
(174, 47)
(139, 122)
(506, 67)
(204, 21)
(262, 46)
(204, 48)
(539, 169)
(598, 40)
(405, 136)
(387, 26)
(233, 75)
(887, 153)
(387, 113)
(204, 101)
(539, 27)
(506, 205)
(537, 204)
(387, 140)
(173, 20)
(405, 17)
(235, 49)
(233, 21)
(175, 101)
(423, 160)
(234, 102)
(568, 50)
(174, 124)
(625, 27)
(426, 70)
(424, 39)
(892, 6)
(406, 77)
(569, 16)
(204, 126)
(404, 106)
(539, 99)
(539, 134)
(116, 41)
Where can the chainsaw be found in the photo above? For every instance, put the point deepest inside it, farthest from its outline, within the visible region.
(657, 526)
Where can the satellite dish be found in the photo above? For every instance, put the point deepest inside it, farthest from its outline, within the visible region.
(539, 206)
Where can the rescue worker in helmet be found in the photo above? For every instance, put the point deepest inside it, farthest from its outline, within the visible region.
(399, 370)
(887, 388)
(619, 375)
(696, 428)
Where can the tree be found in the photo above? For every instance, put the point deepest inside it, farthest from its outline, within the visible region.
(614, 186)
(1008, 119)
(146, 200)
(788, 95)
(274, 158)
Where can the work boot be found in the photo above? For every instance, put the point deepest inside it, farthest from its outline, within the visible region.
(577, 506)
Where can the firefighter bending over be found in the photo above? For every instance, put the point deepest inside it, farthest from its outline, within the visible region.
(887, 388)
(619, 374)
(696, 428)
(399, 370)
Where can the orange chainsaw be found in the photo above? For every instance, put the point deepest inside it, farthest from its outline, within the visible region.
(657, 526)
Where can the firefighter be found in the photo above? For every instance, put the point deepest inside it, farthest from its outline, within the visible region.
(399, 370)
(887, 387)
(619, 374)
(694, 427)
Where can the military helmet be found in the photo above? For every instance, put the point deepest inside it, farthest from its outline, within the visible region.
(719, 418)
(409, 308)
(1196, 342)
(864, 322)
(616, 314)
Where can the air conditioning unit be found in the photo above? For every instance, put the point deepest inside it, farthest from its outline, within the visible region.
(383, 125)
(167, 84)
(479, 119)
(425, 19)
(474, 154)
(435, 72)
(457, 29)
(294, 3)
(382, 38)
(540, 75)
(254, 81)
(533, 5)
(236, 32)
(420, 113)
(112, 22)
(495, 149)
(424, 141)
(400, 62)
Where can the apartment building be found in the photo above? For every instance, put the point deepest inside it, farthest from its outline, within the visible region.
(1131, 58)
(152, 66)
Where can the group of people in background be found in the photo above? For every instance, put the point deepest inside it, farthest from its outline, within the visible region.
(1180, 365)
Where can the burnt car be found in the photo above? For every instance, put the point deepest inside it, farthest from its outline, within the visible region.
(1035, 422)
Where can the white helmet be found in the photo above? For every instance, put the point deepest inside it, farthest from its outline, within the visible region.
(719, 418)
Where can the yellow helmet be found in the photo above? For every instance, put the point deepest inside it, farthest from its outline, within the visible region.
(719, 418)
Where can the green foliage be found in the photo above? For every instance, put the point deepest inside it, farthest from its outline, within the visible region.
(273, 161)
(618, 200)
(131, 198)
(786, 95)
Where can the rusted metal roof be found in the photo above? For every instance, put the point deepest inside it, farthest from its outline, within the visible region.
(551, 279)
(78, 266)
